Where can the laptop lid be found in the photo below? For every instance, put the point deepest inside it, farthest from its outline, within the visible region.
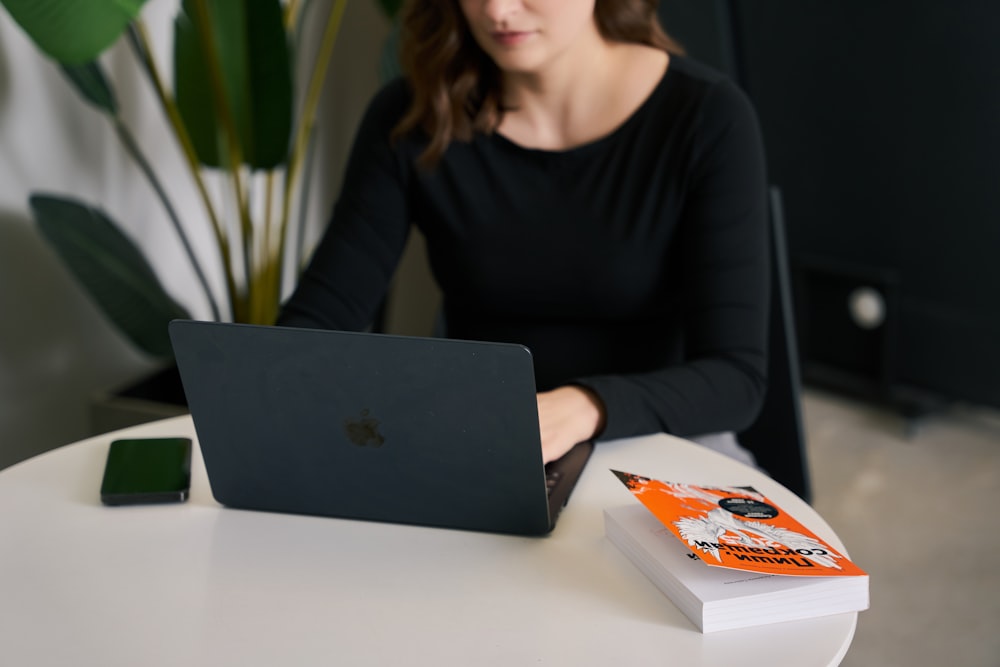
(367, 426)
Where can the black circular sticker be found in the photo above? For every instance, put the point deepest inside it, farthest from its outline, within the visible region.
(748, 507)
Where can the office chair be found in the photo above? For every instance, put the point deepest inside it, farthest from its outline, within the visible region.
(777, 437)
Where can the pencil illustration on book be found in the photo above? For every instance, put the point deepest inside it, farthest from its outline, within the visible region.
(738, 528)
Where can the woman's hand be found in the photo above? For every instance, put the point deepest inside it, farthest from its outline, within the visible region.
(566, 416)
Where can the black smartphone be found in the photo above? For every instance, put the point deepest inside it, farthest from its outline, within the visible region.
(147, 470)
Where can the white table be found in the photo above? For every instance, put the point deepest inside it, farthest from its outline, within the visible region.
(195, 584)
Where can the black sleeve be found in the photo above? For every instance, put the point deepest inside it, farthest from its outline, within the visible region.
(720, 384)
(348, 275)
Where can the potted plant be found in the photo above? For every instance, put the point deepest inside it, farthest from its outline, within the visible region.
(234, 108)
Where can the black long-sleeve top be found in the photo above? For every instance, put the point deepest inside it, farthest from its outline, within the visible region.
(635, 265)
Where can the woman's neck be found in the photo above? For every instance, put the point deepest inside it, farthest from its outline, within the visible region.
(574, 103)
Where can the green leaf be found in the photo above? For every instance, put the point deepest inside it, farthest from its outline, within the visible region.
(255, 59)
(271, 85)
(390, 7)
(73, 31)
(111, 269)
(90, 82)
(193, 91)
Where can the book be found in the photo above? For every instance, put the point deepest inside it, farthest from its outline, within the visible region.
(728, 557)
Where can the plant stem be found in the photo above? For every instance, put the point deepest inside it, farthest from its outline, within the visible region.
(308, 119)
(133, 148)
(293, 8)
(233, 148)
(139, 41)
(300, 236)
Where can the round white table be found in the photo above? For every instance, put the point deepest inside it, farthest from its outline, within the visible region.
(197, 584)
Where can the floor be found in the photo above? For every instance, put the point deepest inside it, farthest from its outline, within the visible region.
(917, 506)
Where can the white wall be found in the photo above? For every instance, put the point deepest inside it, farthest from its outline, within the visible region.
(56, 350)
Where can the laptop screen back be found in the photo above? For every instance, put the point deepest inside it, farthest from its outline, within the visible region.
(367, 426)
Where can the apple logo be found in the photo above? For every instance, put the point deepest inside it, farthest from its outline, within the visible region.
(363, 431)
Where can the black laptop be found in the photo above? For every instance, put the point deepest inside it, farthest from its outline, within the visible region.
(366, 426)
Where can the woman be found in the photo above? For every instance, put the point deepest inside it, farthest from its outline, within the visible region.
(585, 191)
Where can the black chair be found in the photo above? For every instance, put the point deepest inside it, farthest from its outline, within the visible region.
(777, 437)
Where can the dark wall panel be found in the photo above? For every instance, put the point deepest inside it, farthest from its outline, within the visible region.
(882, 122)
(882, 126)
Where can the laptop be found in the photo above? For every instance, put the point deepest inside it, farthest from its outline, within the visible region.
(376, 427)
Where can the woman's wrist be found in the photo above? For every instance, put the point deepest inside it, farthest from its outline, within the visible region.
(594, 411)
(568, 415)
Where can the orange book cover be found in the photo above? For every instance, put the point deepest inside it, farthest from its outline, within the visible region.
(738, 528)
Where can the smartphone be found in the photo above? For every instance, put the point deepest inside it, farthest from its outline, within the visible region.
(147, 470)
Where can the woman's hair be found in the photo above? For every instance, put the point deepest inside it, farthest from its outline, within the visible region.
(456, 86)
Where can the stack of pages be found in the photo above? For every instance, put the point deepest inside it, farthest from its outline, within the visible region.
(731, 558)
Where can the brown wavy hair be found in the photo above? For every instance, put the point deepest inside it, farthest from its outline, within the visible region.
(456, 86)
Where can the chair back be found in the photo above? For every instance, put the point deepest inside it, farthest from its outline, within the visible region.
(777, 438)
